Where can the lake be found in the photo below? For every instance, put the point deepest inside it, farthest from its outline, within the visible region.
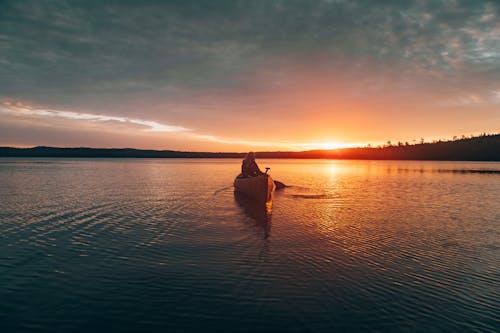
(164, 245)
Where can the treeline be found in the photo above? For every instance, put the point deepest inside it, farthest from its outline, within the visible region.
(108, 153)
(481, 148)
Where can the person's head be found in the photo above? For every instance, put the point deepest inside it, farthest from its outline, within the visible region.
(250, 156)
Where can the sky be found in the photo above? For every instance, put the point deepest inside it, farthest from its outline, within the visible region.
(246, 75)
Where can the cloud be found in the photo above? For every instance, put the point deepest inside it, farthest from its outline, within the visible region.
(17, 108)
(284, 145)
(61, 50)
(473, 99)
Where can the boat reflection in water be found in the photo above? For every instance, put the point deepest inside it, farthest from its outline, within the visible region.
(259, 212)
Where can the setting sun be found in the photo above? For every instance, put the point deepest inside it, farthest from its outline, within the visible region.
(326, 145)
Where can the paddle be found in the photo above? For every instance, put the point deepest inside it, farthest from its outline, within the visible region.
(279, 185)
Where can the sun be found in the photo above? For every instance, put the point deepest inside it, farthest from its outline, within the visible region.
(332, 145)
(326, 145)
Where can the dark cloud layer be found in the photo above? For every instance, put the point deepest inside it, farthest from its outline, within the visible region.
(117, 46)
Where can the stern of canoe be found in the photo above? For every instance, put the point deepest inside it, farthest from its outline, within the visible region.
(259, 188)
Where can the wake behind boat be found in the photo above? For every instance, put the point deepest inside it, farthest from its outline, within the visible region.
(259, 188)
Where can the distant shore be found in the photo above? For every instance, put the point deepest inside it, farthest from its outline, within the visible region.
(481, 148)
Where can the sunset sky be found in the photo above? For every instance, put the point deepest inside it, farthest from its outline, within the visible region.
(246, 75)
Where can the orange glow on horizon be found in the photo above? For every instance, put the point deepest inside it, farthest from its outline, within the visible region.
(298, 105)
(324, 145)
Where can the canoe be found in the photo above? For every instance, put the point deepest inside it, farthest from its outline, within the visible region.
(259, 188)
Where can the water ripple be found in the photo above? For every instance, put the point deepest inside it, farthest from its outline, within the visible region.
(132, 245)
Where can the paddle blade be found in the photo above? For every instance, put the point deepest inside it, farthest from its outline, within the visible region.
(279, 185)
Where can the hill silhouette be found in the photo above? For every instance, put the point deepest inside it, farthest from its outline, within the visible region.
(481, 148)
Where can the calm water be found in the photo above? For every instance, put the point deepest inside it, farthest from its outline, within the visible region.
(164, 245)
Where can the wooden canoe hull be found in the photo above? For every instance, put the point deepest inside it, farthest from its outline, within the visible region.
(259, 188)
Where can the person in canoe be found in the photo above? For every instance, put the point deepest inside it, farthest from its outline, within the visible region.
(249, 167)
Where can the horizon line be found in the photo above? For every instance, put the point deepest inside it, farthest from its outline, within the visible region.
(389, 144)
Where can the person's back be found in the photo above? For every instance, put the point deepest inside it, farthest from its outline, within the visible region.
(249, 167)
